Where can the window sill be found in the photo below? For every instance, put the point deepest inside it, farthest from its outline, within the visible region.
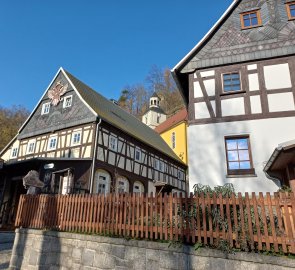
(251, 27)
(232, 93)
(240, 175)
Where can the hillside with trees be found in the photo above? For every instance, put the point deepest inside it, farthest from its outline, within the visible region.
(11, 120)
(135, 98)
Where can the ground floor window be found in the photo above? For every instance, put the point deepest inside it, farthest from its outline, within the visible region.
(138, 187)
(238, 155)
(122, 185)
(102, 182)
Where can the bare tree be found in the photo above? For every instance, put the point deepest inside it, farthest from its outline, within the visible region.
(11, 120)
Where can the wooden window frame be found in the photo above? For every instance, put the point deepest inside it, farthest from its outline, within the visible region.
(65, 105)
(73, 143)
(290, 17)
(115, 143)
(49, 142)
(31, 142)
(258, 15)
(14, 152)
(232, 91)
(137, 150)
(44, 106)
(239, 172)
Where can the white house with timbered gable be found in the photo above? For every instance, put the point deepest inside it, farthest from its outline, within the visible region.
(238, 83)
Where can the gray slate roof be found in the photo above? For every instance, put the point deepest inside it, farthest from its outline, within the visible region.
(116, 116)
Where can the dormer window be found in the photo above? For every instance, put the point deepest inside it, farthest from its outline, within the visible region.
(67, 101)
(291, 10)
(250, 19)
(45, 108)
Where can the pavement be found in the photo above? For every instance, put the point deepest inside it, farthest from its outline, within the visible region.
(6, 244)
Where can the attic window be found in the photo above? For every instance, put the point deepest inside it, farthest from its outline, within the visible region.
(67, 101)
(45, 108)
(291, 10)
(250, 19)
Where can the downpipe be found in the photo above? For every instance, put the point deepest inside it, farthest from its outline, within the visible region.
(94, 156)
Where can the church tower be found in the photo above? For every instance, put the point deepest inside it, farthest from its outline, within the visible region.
(154, 115)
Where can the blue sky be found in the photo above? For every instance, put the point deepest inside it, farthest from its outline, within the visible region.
(106, 44)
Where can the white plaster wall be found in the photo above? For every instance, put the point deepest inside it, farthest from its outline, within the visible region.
(210, 87)
(280, 102)
(277, 76)
(207, 73)
(253, 82)
(197, 90)
(207, 157)
(201, 110)
(233, 106)
(255, 104)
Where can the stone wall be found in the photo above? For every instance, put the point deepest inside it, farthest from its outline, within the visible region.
(36, 249)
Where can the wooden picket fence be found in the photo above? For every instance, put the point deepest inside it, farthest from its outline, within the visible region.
(262, 222)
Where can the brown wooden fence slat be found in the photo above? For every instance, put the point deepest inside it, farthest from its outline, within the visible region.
(272, 224)
(249, 217)
(229, 222)
(19, 211)
(241, 211)
(257, 221)
(187, 229)
(221, 202)
(210, 221)
(133, 208)
(235, 216)
(287, 219)
(176, 217)
(264, 220)
(280, 222)
(165, 223)
(160, 197)
(170, 207)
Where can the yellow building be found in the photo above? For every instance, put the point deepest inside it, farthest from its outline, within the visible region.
(173, 131)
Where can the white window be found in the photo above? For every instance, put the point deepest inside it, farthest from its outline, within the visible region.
(180, 175)
(45, 108)
(14, 152)
(173, 140)
(137, 155)
(156, 164)
(161, 166)
(67, 101)
(52, 143)
(31, 147)
(113, 143)
(138, 187)
(102, 180)
(76, 138)
(122, 185)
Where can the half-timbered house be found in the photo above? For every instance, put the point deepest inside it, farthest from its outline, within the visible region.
(80, 142)
(239, 86)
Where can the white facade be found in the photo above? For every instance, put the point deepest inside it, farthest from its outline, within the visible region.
(207, 154)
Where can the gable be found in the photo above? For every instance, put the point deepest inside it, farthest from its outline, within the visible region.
(59, 116)
(227, 43)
